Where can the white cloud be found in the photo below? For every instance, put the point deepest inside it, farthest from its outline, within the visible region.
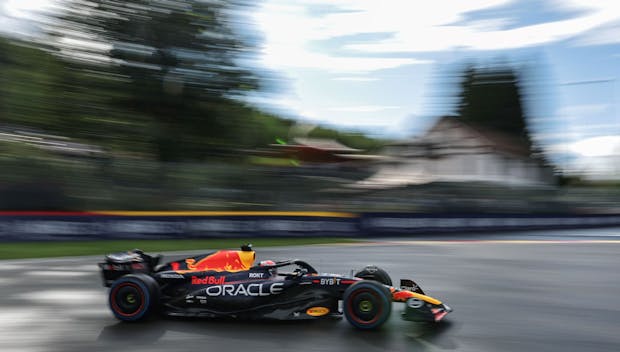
(434, 35)
(493, 24)
(18, 17)
(26, 8)
(593, 158)
(603, 35)
(396, 16)
(288, 30)
(597, 146)
(355, 79)
(285, 56)
(583, 110)
(364, 108)
(414, 27)
(288, 104)
(558, 148)
(571, 130)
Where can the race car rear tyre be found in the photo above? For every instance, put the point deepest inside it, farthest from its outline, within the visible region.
(133, 297)
(367, 304)
(372, 272)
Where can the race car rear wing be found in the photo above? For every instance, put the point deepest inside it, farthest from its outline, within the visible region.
(119, 264)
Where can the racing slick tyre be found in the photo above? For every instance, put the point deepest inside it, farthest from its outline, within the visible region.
(367, 304)
(133, 297)
(372, 272)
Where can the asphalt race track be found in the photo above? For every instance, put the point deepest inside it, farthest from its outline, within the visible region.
(523, 294)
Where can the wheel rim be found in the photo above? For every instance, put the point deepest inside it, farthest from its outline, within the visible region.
(365, 306)
(130, 298)
(127, 299)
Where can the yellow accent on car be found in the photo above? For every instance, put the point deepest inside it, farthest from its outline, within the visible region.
(247, 258)
(317, 311)
(324, 214)
(404, 295)
(426, 298)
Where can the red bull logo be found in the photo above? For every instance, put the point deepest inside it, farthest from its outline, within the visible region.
(222, 261)
(208, 280)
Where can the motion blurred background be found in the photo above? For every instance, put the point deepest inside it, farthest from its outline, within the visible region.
(476, 106)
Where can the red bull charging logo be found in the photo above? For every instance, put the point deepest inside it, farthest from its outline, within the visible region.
(222, 261)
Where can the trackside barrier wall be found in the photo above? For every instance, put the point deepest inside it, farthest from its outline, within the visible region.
(31, 226)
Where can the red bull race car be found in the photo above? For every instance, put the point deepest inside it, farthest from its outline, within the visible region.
(228, 283)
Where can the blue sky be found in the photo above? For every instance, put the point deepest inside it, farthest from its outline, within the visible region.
(388, 68)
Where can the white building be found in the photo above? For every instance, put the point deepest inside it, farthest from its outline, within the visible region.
(452, 151)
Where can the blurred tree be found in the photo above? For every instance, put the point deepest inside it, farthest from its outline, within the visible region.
(41, 93)
(491, 98)
(170, 63)
(29, 79)
(350, 139)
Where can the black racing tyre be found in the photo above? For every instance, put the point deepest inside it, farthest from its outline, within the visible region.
(372, 272)
(133, 297)
(367, 304)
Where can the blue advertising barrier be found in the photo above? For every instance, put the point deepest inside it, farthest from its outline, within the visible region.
(116, 225)
(58, 226)
(378, 224)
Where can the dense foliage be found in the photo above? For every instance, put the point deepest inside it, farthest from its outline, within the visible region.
(140, 105)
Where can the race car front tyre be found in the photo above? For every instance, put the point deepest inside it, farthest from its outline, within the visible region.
(372, 272)
(133, 297)
(367, 304)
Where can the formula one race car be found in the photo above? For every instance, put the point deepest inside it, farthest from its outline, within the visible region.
(227, 283)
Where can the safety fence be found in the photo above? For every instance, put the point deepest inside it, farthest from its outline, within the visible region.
(31, 226)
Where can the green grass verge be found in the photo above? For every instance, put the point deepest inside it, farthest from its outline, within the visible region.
(18, 250)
